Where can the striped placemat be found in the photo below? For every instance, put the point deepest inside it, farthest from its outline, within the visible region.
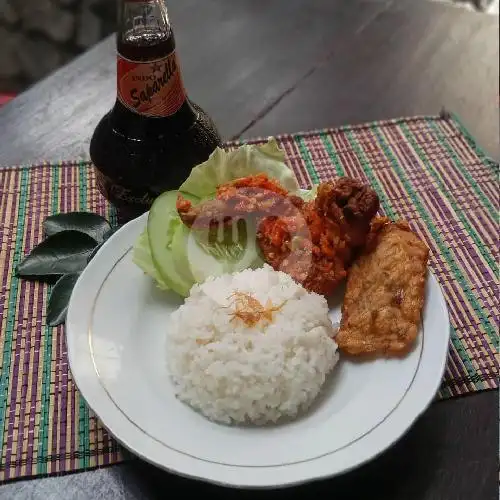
(425, 169)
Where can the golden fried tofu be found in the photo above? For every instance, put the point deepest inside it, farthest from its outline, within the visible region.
(385, 291)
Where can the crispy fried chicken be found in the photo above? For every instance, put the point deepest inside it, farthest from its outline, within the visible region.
(317, 244)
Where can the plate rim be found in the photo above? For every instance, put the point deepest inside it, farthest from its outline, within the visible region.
(117, 424)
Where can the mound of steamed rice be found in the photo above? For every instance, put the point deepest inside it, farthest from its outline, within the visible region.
(233, 372)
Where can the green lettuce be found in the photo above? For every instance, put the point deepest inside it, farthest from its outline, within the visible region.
(225, 166)
(308, 194)
(190, 257)
(141, 256)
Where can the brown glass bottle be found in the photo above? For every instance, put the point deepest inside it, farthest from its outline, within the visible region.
(154, 135)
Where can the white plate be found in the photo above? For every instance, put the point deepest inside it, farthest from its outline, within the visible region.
(116, 328)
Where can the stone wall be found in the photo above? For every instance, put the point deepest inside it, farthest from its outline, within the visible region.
(38, 36)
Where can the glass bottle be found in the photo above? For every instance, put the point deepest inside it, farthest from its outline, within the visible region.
(154, 135)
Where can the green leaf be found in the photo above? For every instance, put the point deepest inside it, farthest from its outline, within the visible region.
(59, 299)
(224, 166)
(142, 257)
(309, 194)
(94, 225)
(61, 253)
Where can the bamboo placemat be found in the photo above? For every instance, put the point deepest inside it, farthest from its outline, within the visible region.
(426, 169)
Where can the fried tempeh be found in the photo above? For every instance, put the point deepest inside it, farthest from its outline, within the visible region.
(385, 291)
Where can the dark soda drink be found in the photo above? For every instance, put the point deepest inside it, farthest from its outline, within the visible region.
(154, 135)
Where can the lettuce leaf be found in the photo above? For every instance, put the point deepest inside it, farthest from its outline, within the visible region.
(142, 257)
(308, 194)
(190, 256)
(249, 159)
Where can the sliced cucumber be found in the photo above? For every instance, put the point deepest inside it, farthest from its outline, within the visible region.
(184, 256)
(163, 222)
(215, 258)
(179, 253)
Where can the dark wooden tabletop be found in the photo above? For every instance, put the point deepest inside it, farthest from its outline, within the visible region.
(262, 67)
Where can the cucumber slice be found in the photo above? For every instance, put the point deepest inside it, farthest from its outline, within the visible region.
(163, 222)
(179, 253)
(213, 258)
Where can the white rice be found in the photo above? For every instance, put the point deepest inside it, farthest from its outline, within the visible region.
(233, 373)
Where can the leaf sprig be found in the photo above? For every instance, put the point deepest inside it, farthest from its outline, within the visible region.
(71, 241)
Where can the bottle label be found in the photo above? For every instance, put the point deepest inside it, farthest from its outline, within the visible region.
(151, 88)
(121, 195)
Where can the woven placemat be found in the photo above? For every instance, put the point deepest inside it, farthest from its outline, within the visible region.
(425, 169)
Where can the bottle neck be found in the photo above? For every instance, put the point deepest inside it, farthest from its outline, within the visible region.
(150, 89)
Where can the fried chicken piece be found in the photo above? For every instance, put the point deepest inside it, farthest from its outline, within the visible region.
(307, 246)
(203, 215)
(314, 241)
(350, 202)
(384, 298)
(317, 244)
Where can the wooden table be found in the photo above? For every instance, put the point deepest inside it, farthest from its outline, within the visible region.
(264, 67)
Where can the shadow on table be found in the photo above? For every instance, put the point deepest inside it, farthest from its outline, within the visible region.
(403, 471)
(451, 453)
